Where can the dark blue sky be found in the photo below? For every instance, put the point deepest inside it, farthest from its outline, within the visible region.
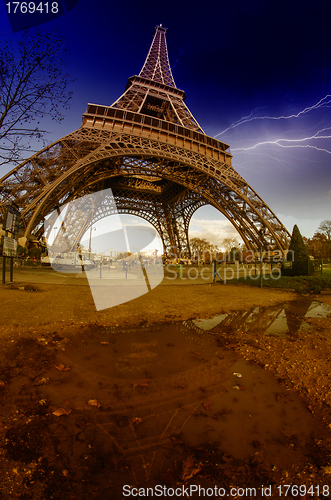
(259, 59)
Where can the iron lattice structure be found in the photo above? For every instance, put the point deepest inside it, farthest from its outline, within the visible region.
(161, 166)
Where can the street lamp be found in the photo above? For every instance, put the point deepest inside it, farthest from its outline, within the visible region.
(89, 249)
(55, 228)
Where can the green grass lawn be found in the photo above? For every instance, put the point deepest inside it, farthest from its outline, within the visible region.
(300, 284)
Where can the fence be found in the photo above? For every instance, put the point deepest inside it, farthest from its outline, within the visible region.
(20, 263)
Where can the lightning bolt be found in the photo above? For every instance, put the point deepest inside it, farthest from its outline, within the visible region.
(296, 140)
(316, 135)
(325, 102)
(293, 143)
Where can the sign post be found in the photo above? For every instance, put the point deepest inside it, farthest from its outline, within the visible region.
(9, 245)
(3, 270)
(9, 249)
(261, 268)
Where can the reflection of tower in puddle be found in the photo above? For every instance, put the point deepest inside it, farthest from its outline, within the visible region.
(258, 319)
(295, 313)
(291, 318)
(281, 319)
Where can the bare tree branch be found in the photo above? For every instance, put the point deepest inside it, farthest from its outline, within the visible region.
(32, 86)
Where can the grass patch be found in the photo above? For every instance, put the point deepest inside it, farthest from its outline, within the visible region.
(301, 284)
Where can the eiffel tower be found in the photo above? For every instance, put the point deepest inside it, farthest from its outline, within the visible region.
(160, 165)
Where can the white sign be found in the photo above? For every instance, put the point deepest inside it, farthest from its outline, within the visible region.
(9, 247)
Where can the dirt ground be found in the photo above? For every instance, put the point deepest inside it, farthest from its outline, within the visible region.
(57, 303)
(36, 320)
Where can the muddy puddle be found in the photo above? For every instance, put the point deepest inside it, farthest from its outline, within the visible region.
(88, 409)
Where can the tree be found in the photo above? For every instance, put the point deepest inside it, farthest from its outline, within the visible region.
(317, 245)
(325, 228)
(32, 86)
(202, 248)
(298, 255)
(199, 245)
(230, 243)
(231, 247)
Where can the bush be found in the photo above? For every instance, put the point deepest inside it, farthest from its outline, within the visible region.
(300, 288)
(22, 252)
(316, 288)
(34, 252)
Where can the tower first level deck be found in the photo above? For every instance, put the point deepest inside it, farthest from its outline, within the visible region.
(122, 121)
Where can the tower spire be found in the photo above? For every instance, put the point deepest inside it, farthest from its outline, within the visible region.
(153, 92)
(157, 66)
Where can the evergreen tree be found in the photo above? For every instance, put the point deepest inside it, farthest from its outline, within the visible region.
(298, 255)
